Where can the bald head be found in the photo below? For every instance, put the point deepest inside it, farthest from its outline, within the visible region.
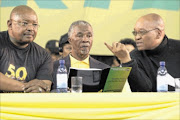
(152, 20)
(22, 25)
(149, 31)
(21, 10)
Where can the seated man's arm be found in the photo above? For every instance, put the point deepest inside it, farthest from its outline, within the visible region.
(138, 80)
(43, 79)
(11, 85)
(38, 86)
(48, 83)
(8, 84)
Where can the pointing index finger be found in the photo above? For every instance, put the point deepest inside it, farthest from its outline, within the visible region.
(109, 47)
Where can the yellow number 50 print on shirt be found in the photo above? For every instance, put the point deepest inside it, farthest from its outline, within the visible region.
(13, 73)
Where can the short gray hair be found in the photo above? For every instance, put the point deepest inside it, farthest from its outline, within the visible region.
(76, 23)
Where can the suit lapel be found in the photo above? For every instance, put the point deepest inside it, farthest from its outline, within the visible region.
(93, 63)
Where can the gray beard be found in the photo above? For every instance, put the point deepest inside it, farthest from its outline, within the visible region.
(85, 52)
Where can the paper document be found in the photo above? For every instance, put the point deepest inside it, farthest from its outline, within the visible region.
(90, 78)
(116, 79)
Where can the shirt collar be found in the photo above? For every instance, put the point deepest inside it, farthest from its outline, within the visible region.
(160, 49)
(74, 60)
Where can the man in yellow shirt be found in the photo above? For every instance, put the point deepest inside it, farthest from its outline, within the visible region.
(80, 36)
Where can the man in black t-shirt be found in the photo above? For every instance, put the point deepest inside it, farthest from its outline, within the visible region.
(24, 65)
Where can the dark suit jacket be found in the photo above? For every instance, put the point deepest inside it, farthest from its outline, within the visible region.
(93, 64)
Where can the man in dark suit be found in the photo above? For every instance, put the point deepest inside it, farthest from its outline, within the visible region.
(80, 36)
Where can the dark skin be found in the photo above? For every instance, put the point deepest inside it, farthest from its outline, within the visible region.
(21, 37)
(148, 41)
(81, 40)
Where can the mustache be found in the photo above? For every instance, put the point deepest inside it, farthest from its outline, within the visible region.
(29, 33)
(85, 44)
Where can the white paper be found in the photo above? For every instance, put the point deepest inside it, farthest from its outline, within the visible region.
(170, 80)
(177, 82)
(88, 69)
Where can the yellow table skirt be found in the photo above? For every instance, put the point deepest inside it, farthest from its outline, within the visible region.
(88, 106)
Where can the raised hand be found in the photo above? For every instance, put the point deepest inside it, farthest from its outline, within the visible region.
(120, 51)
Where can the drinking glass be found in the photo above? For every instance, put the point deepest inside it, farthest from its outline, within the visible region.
(76, 84)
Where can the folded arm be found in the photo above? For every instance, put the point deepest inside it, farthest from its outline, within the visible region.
(8, 84)
(38, 86)
(11, 85)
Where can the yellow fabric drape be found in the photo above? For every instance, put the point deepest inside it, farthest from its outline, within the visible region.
(89, 106)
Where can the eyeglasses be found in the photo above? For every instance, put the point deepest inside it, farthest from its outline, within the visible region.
(26, 24)
(142, 32)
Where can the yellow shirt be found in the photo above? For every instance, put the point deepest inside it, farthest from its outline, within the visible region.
(79, 64)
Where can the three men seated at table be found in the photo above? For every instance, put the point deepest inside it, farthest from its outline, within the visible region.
(27, 67)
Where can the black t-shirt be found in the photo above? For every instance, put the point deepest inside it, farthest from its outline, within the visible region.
(32, 62)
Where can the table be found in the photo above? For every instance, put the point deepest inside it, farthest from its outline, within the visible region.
(89, 106)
